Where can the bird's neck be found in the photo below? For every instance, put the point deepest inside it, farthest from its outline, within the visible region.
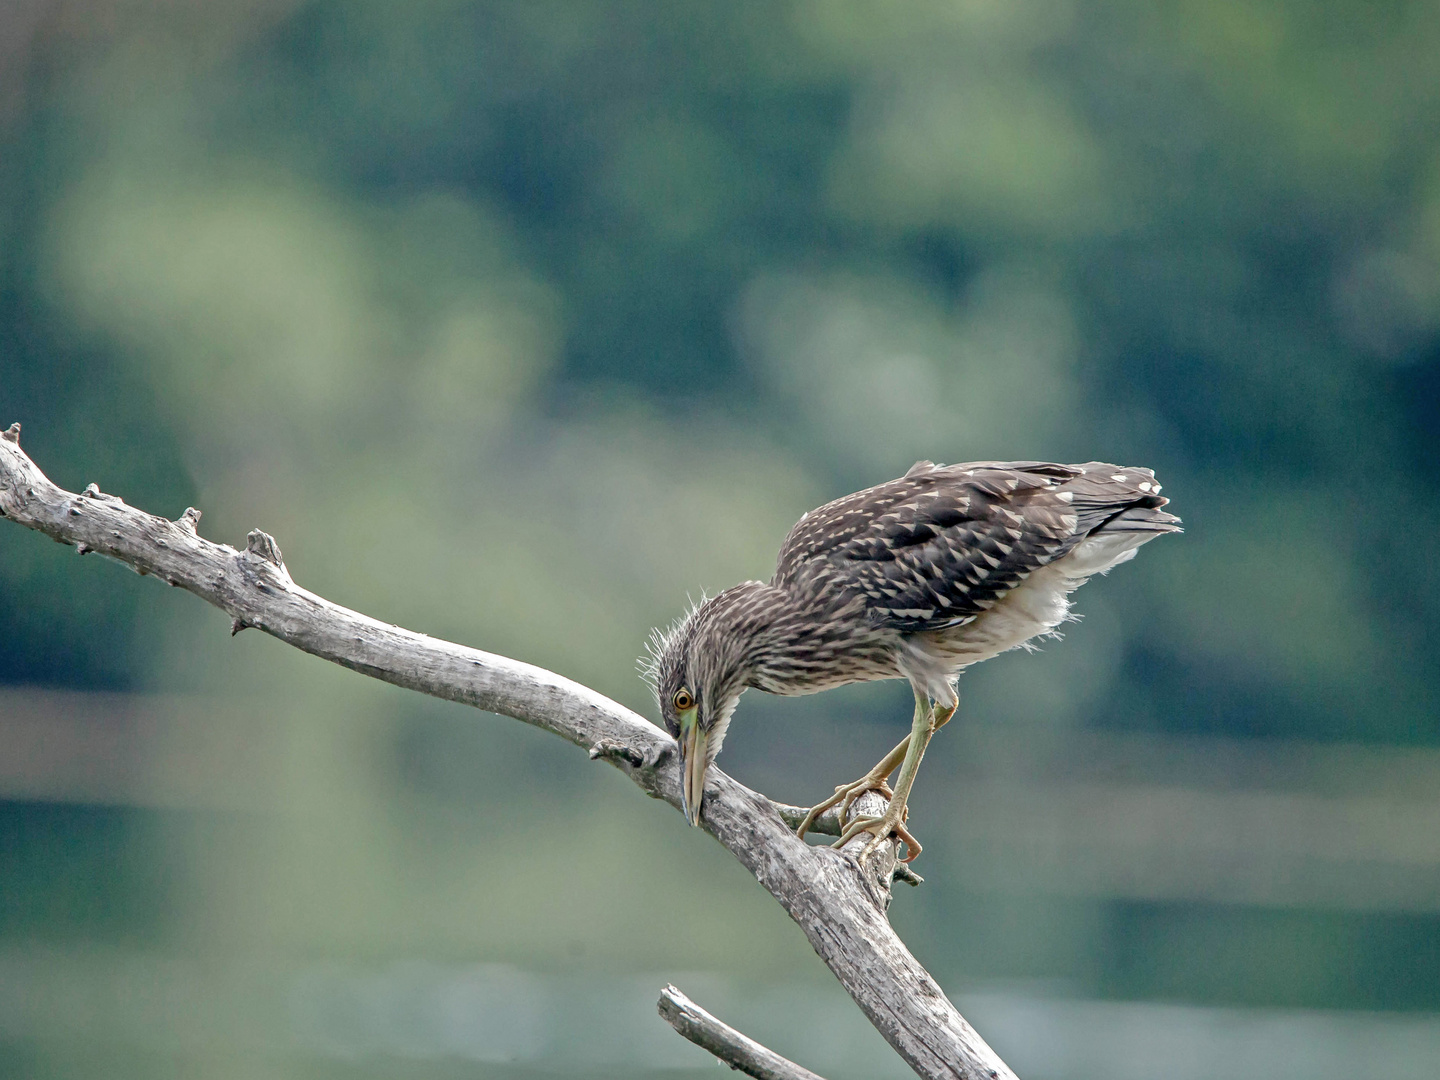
(750, 630)
(736, 628)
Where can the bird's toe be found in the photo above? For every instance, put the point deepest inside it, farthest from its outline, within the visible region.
(889, 824)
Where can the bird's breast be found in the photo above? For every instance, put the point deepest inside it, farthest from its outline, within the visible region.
(830, 656)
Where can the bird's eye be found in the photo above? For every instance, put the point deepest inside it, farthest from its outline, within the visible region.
(683, 700)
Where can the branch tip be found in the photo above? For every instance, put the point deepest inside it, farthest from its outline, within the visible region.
(730, 1047)
(12, 433)
(82, 549)
(236, 625)
(902, 872)
(190, 520)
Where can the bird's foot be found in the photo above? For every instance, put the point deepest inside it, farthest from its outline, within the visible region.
(845, 794)
(892, 822)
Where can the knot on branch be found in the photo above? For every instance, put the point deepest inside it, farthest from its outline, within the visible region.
(92, 491)
(190, 520)
(12, 433)
(263, 546)
(609, 748)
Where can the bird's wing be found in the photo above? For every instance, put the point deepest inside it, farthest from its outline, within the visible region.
(940, 545)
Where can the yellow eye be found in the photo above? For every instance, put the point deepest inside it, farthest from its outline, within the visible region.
(683, 700)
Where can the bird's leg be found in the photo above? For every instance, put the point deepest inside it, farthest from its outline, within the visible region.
(928, 719)
(874, 780)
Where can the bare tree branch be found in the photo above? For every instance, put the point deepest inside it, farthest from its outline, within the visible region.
(740, 1052)
(838, 904)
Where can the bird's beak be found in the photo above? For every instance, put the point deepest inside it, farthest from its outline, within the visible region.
(692, 764)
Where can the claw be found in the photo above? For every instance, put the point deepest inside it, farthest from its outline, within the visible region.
(845, 794)
(928, 717)
(874, 780)
(854, 829)
(852, 792)
(882, 827)
(912, 846)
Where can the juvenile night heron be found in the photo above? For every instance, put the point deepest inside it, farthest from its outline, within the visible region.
(914, 579)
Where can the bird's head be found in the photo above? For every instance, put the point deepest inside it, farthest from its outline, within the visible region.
(699, 668)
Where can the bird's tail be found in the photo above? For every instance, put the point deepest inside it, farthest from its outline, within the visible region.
(1118, 498)
(1143, 519)
(1119, 509)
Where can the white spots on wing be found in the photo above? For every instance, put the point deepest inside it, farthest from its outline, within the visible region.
(1066, 496)
(1145, 486)
(1120, 478)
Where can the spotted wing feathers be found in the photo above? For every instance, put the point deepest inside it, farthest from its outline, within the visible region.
(937, 547)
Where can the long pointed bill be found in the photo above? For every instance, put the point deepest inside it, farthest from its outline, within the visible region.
(693, 741)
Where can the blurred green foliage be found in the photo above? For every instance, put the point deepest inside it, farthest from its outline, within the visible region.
(314, 241)
(517, 321)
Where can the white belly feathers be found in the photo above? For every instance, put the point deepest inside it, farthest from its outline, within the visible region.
(1034, 608)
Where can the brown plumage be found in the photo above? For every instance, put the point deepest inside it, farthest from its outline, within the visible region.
(916, 578)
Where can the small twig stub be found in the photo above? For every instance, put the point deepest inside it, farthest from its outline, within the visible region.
(608, 748)
(263, 545)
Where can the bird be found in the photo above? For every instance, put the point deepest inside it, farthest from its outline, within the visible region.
(917, 578)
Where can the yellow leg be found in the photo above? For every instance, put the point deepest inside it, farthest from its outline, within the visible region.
(928, 720)
(874, 780)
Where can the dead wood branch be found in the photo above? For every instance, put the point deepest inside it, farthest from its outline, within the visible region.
(839, 906)
(740, 1052)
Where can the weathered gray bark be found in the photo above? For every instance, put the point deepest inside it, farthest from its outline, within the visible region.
(838, 904)
(740, 1052)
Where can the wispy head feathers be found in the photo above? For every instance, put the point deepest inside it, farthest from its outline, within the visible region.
(663, 645)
